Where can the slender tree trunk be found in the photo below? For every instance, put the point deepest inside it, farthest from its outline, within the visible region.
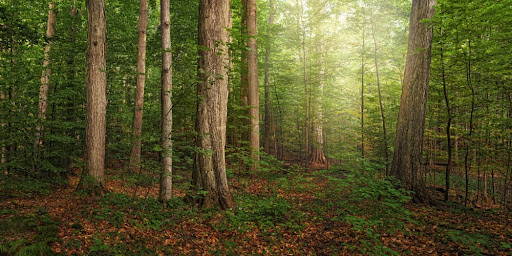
(3, 150)
(270, 131)
(212, 94)
(467, 161)
(448, 124)
(306, 129)
(244, 77)
(96, 96)
(166, 102)
(456, 151)
(45, 77)
(253, 88)
(406, 164)
(381, 104)
(244, 120)
(363, 50)
(139, 90)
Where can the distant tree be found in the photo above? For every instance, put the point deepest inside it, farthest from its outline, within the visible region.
(47, 71)
(139, 90)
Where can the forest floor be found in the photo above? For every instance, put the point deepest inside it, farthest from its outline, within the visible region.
(280, 212)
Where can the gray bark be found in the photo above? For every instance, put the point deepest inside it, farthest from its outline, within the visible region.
(139, 90)
(45, 77)
(212, 92)
(406, 164)
(166, 96)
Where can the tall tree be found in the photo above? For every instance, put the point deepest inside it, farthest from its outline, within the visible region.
(270, 144)
(212, 93)
(139, 90)
(363, 62)
(406, 164)
(166, 102)
(45, 77)
(379, 91)
(253, 97)
(96, 86)
(448, 121)
(317, 156)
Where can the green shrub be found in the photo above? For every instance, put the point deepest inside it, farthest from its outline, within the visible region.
(262, 212)
(38, 230)
(147, 213)
(372, 205)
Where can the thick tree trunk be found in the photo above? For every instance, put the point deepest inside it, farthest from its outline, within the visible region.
(252, 86)
(406, 164)
(139, 90)
(96, 96)
(45, 77)
(212, 92)
(166, 102)
(270, 128)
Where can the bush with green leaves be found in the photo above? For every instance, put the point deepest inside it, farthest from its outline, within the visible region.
(371, 204)
(262, 212)
(34, 234)
(147, 213)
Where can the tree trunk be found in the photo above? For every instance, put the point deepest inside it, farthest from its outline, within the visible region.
(212, 92)
(139, 90)
(166, 102)
(363, 49)
(448, 124)
(306, 129)
(270, 128)
(96, 97)
(3, 150)
(252, 87)
(406, 165)
(381, 104)
(45, 77)
(467, 160)
(317, 157)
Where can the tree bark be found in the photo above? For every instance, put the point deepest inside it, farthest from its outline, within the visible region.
(47, 71)
(166, 102)
(317, 157)
(212, 92)
(96, 96)
(406, 165)
(139, 90)
(252, 86)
